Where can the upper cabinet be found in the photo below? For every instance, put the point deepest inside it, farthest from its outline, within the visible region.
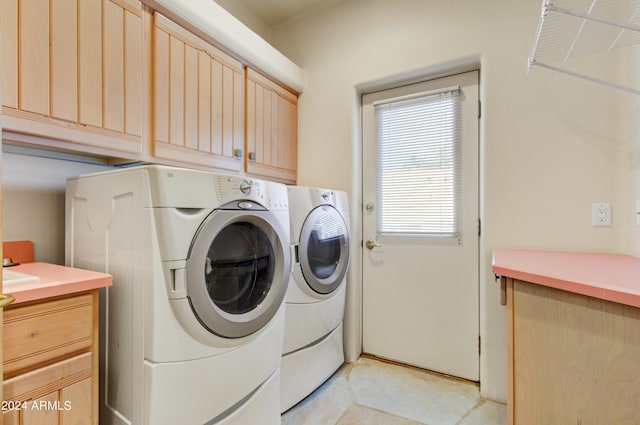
(118, 79)
(198, 100)
(72, 72)
(272, 129)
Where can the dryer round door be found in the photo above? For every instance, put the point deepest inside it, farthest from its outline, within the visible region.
(324, 249)
(237, 271)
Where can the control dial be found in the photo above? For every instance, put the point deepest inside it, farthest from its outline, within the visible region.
(246, 186)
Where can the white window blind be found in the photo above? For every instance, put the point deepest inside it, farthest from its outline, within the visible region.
(418, 164)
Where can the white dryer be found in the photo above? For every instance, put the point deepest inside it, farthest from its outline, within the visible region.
(192, 328)
(313, 341)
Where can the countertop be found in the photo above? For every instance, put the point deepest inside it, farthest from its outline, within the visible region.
(55, 280)
(612, 277)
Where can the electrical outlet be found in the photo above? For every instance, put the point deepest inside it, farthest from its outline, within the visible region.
(601, 214)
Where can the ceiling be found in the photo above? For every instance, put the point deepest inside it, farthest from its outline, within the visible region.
(273, 12)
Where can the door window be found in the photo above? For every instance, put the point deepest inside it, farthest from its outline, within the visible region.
(239, 268)
(419, 163)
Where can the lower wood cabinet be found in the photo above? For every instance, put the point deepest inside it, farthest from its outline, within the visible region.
(573, 359)
(50, 361)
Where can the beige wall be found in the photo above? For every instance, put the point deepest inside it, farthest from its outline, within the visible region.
(550, 144)
(33, 201)
(629, 170)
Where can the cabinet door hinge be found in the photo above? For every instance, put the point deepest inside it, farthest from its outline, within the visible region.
(479, 227)
(479, 109)
(479, 344)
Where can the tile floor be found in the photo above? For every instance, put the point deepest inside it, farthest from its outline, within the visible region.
(372, 392)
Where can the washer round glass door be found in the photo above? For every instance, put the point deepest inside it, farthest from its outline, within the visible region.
(236, 271)
(324, 249)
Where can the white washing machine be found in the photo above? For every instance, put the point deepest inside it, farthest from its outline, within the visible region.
(313, 345)
(192, 328)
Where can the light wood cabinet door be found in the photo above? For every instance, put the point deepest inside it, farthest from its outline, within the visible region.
(50, 366)
(42, 411)
(11, 417)
(72, 72)
(272, 129)
(60, 393)
(572, 358)
(198, 100)
(78, 409)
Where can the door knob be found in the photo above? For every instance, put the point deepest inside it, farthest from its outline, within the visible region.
(370, 244)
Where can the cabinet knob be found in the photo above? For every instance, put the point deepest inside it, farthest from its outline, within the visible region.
(6, 299)
(237, 153)
(252, 156)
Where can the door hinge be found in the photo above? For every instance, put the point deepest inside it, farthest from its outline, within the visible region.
(479, 344)
(479, 227)
(479, 109)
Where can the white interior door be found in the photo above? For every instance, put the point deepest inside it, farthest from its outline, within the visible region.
(421, 222)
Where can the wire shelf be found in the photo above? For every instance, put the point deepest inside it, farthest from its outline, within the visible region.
(571, 29)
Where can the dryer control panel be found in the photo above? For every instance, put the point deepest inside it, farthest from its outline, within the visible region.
(325, 196)
(234, 188)
(272, 196)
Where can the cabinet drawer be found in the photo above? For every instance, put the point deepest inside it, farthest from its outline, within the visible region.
(42, 332)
